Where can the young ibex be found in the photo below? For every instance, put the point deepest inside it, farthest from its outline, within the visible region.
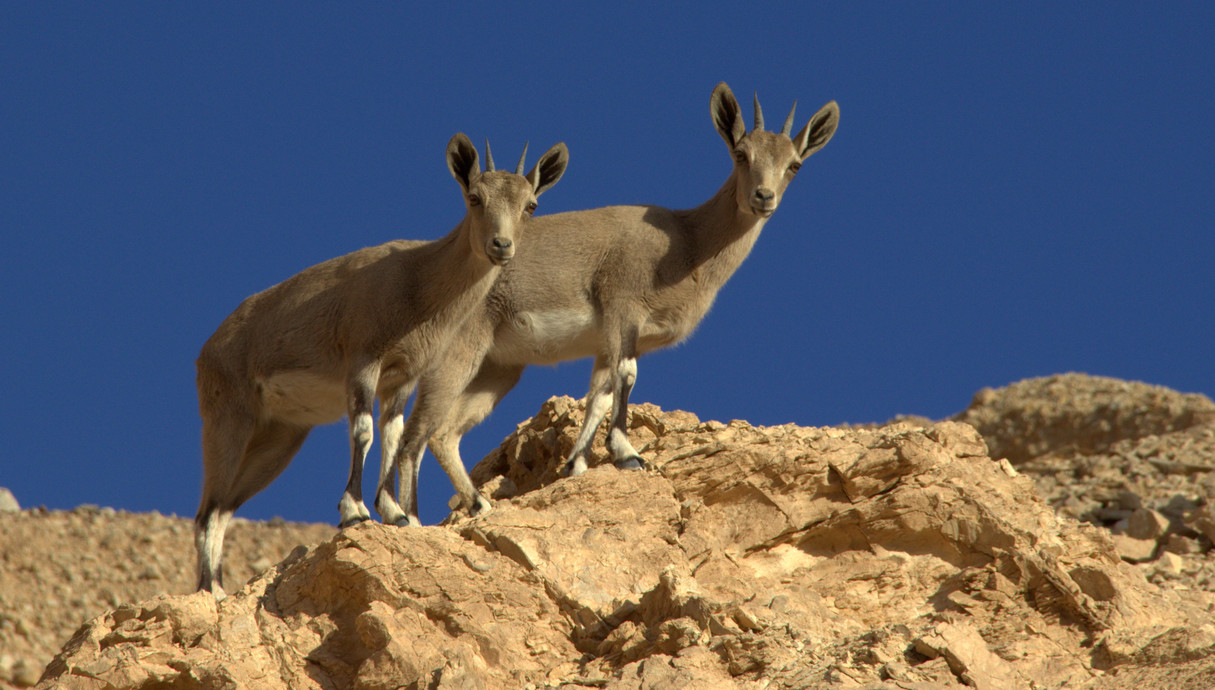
(330, 340)
(612, 283)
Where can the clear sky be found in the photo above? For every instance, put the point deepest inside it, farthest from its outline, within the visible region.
(1015, 190)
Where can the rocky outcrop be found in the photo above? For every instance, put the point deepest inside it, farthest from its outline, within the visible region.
(1077, 414)
(781, 557)
(1136, 459)
(60, 568)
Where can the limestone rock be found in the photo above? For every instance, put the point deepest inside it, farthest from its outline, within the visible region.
(60, 568)
(1134, 550)
(8, 503)
(1203, 521)
(1079, 413)
(968, 655)
(778, 557)
(1145, 523)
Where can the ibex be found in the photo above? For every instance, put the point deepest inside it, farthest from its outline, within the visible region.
(612, 283)
(330, 340)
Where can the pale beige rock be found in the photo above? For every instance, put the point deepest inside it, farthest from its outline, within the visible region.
(1183, 545)
(1084, 414)
(752, 557)
(969, 656)
(1145, 523)
(1134, 550)
(1202, 521)
(8, 502)
(1171, 563)
(60, 568)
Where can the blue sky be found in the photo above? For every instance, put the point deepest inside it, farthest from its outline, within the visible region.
(1015, 190)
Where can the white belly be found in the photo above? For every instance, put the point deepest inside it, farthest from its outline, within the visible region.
(303, 397)
(547, 337)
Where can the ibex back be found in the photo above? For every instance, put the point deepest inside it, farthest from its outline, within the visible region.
(330, 340)
(610, 283)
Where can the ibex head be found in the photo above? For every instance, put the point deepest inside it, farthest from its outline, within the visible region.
(499, 202)
(764, 162)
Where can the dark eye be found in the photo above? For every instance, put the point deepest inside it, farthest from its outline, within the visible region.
(531, 208)
(740, 156)
(794, 168)
(474, 200)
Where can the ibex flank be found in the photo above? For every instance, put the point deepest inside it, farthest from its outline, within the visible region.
(610, 283)
(330, 340)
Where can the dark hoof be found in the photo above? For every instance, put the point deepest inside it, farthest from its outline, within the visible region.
(405, 522)
(633, 462)
(567, 470)
(352, 522)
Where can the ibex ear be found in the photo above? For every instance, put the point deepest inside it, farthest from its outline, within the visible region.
(462, 160)
(549, 168)
(818, 131)
(727, 118)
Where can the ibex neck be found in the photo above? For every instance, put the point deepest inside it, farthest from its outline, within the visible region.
(722, 234)
(459, 277)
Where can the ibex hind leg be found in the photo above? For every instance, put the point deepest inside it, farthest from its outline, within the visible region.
(209, 528)
(267, 454)
(225, 436)
(271, 449)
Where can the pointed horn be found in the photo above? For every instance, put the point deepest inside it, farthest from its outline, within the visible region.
(759, 115)
(519, 168)
(789, 121)
(489, 157)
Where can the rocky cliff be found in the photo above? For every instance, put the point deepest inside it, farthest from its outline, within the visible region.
(1056, 533)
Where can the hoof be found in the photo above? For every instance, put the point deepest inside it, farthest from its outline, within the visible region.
(407, 522)
(478, 508)
(357, 520)
(633, 462)
(571, 469)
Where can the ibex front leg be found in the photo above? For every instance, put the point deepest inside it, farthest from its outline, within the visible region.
(598, 401)
(623, 454)
(436, 399)
(360, 395)
(392, 427)
(625, 375)
(611, 383)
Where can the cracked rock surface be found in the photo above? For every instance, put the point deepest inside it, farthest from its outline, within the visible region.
(898, 556)
(61, 568)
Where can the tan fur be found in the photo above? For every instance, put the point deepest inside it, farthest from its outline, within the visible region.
(330, 340)
(612, 283)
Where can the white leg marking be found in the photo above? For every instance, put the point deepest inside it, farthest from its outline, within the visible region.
(217, 525)
(361, 432)
(626, 372)
(618, 438)
(351, 509)
(597, 404)
(618, 443)
(390, 442)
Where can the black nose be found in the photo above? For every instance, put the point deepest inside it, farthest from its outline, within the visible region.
(763, 194)
(502, 243)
